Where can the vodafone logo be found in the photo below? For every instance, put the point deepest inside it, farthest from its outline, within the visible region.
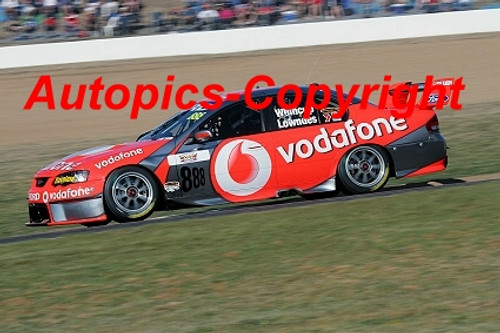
(118, 157)
(66, 194)
(242, 167)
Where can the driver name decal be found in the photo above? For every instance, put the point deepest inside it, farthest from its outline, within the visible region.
(289, 118)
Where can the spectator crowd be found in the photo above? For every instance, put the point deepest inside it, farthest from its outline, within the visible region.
(66, 18)
(30, 19)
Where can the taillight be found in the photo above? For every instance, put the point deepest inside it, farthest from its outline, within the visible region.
(433, 124)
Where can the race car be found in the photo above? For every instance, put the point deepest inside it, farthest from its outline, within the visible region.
(236, 153)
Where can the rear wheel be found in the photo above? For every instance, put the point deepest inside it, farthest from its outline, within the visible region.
(364, 169)
(130, 194)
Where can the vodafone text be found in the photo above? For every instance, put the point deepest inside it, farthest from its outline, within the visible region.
(65, 194)
(147, 96)
(325, 142)
(122, 155)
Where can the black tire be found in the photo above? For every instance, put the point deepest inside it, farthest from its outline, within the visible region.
(364, 169)
(130, 194)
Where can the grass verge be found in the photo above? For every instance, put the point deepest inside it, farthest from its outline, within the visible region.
(415, 262)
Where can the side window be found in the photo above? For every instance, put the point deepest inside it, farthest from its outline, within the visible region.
(330, 113)
(278, 118)
(236, 120)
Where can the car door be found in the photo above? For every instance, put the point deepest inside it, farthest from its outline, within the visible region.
(303, 147)
(235, 164)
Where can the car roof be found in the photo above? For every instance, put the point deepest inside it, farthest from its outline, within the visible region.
(273, 90)
(268, 91)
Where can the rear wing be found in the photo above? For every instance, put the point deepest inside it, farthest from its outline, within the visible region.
(433, 94)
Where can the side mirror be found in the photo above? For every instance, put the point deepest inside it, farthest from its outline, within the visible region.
(141, 136)
(203, 136)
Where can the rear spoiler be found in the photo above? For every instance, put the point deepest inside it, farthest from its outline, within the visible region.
(434, 94)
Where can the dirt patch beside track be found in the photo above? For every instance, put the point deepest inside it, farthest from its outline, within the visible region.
(474, 57)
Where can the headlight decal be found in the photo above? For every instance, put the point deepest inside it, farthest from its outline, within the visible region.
(72, 177)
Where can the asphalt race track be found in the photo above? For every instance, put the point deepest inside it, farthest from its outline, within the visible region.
(268, 205)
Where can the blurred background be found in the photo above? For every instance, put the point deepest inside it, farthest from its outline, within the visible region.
(36, 21)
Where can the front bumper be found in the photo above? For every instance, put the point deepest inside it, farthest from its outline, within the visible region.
(72, 212)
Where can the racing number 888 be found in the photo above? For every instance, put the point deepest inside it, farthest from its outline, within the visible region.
(192, 178)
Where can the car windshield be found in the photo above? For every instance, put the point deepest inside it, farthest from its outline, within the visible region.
(177, 124)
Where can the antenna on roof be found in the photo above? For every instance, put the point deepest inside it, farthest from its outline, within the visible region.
(314, 65)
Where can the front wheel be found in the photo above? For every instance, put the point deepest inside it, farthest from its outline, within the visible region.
(130, 194)
(364, 169)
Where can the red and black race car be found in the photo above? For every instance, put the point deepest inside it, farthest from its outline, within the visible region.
(236, 154)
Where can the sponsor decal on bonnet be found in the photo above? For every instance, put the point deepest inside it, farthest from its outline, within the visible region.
(118, 157)
(61, 165)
